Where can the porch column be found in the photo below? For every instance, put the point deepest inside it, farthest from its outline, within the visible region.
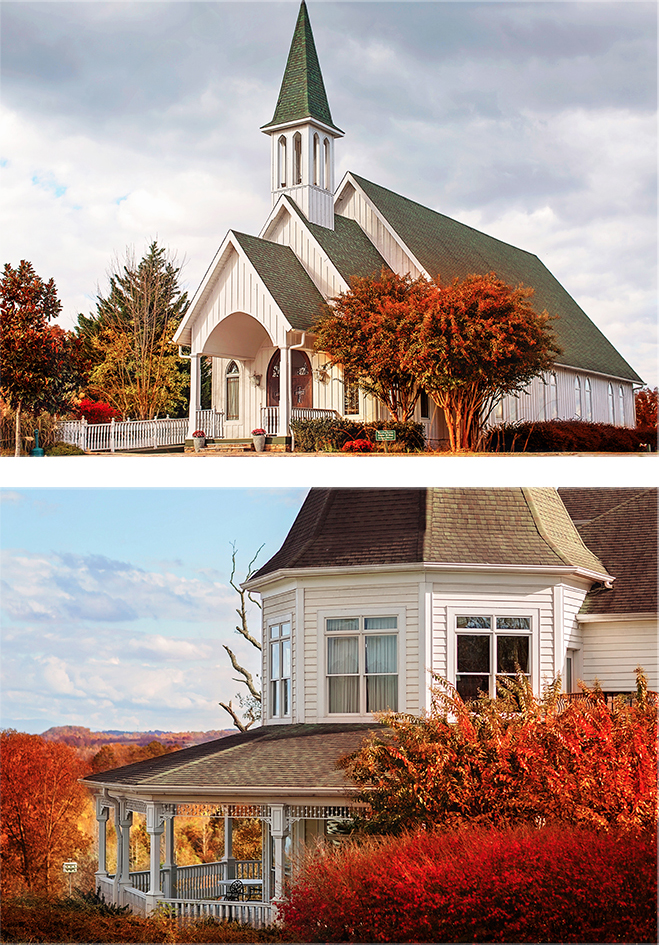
(155, 828)
(170, 858)
(278, 829)
(102, 814)
(195, 393)
(228, 858)
(123, 822)
(284, 413)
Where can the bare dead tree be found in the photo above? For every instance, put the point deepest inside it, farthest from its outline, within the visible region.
(250, 703)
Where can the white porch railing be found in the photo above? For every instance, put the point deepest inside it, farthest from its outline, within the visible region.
(251, 913)
(202, 881)
(270, 416)
(124, 434)
(212, 423)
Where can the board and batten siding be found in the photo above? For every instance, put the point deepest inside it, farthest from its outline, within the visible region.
(612, 650)
(384, 597)
(275, 609)
(288, 230)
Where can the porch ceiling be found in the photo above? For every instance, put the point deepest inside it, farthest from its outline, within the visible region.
(237, 336)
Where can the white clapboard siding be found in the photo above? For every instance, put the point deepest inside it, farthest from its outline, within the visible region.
(573, 600)
(612, 650)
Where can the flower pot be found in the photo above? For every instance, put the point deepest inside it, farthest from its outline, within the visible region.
(199, 442)
(259, 441)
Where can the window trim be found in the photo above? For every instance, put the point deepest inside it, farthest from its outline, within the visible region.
(322, 657)
(235, 377)
(275, 621)
(487, 609)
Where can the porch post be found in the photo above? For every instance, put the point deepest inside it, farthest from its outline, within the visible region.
(278, 829)
(155, 828)
(170, 858)
(284, 413)
(123, 822)
(102, 814)
(195, 393)
(228, 858)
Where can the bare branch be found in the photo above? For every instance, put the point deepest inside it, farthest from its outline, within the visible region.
(237, 722)
(248, 679)
(243, 629)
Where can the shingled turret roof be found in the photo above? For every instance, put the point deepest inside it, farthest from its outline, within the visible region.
(453, 526)
(302, 94)
(449, 249)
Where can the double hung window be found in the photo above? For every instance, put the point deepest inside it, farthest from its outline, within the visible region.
(280, 669)
(489, 647)
(362, 664)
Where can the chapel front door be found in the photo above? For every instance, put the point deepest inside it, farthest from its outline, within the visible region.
(301, 380)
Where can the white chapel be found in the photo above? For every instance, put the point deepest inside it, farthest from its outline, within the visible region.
(255, 308)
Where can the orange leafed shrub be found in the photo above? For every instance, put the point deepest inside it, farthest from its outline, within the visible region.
(512, 761)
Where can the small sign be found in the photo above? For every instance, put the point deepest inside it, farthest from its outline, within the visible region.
(386, 435)
(70, 867)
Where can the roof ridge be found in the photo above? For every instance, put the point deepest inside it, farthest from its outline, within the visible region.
(608, 512)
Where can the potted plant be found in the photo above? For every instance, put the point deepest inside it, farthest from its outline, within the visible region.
(259, 439)
(199, 440)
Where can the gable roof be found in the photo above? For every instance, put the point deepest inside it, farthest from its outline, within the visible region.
(295, 759)
(302, 94)
(625, 538)
(449, 249)
(453, 526)
(285, 278)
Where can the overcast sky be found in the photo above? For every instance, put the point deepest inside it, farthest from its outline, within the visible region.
(535, 122)
(116, 603)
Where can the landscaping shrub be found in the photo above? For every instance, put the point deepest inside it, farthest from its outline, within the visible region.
(358, 446)
(61, 449)
(478, 885)
(569, 436)
(331, 433)
(96, 412)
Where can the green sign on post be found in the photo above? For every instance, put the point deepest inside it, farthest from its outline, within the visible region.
(386, 435)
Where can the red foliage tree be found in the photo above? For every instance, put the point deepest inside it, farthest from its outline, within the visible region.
(479, 339)
(646, 407)
(40, 804)
(516, 760)
(368, 331)
(96, 412)
(41, 364)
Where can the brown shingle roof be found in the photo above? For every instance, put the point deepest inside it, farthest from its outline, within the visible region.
(586, 503)
(297, 757)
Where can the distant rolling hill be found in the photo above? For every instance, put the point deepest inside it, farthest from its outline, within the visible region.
(82, 738)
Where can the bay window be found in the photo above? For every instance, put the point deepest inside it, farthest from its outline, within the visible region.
(488, 648)
(362, 664)
(280, 669)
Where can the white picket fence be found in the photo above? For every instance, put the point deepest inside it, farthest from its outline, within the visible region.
(138, 434)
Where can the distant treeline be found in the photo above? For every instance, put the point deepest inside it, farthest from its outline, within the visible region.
(112, 748)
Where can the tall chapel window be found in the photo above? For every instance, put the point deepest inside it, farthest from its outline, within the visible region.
(622, 406)
(588, 402)
(610, 403)
(297, 158)
(578, 397)
(351, 398)
(281, 162)
(551, 405)
(317, 162)
(233, 382)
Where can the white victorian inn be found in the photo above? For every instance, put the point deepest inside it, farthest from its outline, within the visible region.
(372, 591)
(254, 309)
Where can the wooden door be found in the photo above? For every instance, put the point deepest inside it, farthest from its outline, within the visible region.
(273, 381)
(301, 380)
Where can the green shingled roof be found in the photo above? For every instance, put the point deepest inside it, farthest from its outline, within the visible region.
(302, 94)
(284, 277)
(450, 249)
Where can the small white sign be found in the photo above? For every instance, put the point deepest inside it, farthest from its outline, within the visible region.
(70, 867)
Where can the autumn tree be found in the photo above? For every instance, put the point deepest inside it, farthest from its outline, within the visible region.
(478, 340)
(41, 802)
(514, 760)
(136, 366)
(249, 703)
(368, 331)
(646, 407)
(41, 364)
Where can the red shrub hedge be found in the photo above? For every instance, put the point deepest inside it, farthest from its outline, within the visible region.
(480, 886)
(96, 412)
(569, 436)
(358, 446)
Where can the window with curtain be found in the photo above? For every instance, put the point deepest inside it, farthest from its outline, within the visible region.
(489, 647)
(280, 669)
(233, 382)
(362, 664)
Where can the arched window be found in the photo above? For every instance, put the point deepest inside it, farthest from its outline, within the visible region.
(281, 162)
(233, 380)
(610, 403)
(297, 158)
(327, 177)
(622, 406)
(588, 404)
(578, 397)
(551, 409)
(317, 162)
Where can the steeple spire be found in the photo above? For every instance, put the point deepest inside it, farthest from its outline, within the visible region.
(302, 132)
(302, 94)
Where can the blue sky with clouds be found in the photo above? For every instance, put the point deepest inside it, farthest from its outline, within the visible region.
(116, 602)
(533, 121)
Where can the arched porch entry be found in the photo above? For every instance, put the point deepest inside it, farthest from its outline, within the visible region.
(301, 380)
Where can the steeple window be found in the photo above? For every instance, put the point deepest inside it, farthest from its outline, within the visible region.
(297, 158)
(281, 162)
(317, 162)
(327, 177)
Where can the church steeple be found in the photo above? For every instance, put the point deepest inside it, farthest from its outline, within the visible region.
(302, 131)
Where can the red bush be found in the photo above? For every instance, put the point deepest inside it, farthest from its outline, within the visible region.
(358, 446)
(570, 436)
(96, 412)
(479, 885)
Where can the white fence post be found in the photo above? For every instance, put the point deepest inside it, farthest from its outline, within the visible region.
(112, 435)
(83, 434)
